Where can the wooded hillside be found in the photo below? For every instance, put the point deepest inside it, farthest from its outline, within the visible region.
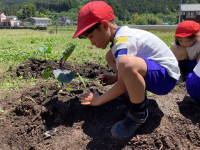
(125, 10)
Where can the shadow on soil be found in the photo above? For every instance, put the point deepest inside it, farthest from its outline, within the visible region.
(96, 122)
(190, 109)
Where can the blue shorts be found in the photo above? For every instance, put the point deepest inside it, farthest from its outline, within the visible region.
(193, 86)
(157, 79)
(190, 65)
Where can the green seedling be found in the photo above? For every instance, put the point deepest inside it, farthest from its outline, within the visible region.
(63, 76)
(33, 40)
(82, 80)
(69, 88)
(45, 92)
(24, 103)
(46, 48)
(50, 113)
(8, 95)
(60, 91)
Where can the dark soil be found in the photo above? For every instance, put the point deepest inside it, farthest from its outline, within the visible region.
(33, 68)
(59, 122)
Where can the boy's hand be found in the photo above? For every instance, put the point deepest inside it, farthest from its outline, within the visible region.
(90, 98)
(107, 79)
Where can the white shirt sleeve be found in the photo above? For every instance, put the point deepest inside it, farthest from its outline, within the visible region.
(197, 69)
(173, 46)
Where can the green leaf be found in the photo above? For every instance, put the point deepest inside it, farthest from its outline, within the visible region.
(82, 80)
(48, 50)
(69, 88)
(47, 72)
(44, 49)
(35, 54)
(60, 91)
(2, 110)
(68, 52)
(41, 49)
(45, 92)
(63, 76)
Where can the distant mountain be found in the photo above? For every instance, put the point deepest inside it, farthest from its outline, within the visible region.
(123, 9)
(13, 2)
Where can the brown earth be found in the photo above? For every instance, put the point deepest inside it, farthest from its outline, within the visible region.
(59, 122)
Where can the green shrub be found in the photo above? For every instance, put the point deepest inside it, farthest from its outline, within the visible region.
(119, 23)
(49, 24)
(51, 31)
(34, 28)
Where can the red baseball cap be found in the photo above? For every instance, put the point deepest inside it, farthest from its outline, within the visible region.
(92, 13)
(187, 28)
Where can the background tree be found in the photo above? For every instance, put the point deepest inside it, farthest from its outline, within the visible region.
(43, 15)
(191, 2)
(28, 11)
(123, 9)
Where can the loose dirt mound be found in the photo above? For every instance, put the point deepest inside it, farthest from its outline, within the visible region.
(33, 68)
(59, 122)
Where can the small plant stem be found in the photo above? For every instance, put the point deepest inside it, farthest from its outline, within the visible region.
(45, 56)
(63, 65)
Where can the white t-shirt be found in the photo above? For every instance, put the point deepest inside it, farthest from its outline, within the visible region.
(140, 43)
(192, 51)
(197, 69)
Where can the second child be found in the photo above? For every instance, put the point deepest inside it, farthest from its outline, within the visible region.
(186, 47)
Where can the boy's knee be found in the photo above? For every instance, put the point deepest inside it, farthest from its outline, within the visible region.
(125, 64)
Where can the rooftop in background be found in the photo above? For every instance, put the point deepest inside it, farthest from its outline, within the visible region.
(36, 18)
(190, 7)
(7, 17)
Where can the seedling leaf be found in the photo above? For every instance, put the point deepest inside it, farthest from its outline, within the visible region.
(68, 51)
(47, 49)
(63, 76)
(82, 80)
(35, 54)
(69, 88)
(45, 92)
(47, 72)
(2, 110)
(60, 91)
(41, 49)
(44, 49)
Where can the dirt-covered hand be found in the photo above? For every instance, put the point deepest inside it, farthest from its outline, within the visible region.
(107, 79)
(90, 98)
